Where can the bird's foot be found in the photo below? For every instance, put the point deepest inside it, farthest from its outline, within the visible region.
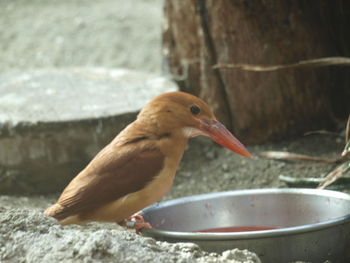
(136, 222)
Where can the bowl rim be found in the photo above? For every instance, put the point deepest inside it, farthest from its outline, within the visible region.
(249, 234)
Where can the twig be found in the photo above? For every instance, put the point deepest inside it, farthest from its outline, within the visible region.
(331, 177)
(335, 175)
(342, 183)
(296, 157)
(318, 62)
(347, 131)
(346, 151)
(322, 132)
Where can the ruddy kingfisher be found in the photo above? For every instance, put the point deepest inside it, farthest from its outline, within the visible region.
(138, 167)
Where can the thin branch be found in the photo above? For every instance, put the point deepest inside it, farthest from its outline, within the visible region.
(335, 175)
(322, 132)
(346, 151)
(318, 62)
(287, 156)
(341, 184)
(347, 131)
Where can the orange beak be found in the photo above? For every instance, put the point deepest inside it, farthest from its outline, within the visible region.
(218, 133)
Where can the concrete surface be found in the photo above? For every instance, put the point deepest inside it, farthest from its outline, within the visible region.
(53, 121)
(61, 95)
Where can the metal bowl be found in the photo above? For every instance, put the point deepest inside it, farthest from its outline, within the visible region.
(312, 225)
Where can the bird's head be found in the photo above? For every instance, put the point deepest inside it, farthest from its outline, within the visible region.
(190, 116)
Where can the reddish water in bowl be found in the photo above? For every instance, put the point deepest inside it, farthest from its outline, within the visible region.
(237, 229)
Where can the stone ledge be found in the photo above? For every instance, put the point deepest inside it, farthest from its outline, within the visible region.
(53, 121)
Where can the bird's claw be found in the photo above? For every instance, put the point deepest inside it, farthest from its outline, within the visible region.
(137, 222)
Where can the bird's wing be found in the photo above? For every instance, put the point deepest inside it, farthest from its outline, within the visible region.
(109, 177)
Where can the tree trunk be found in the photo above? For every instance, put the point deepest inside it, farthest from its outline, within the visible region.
(258, 106)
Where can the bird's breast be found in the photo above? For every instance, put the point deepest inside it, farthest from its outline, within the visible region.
(161, 183)
(126, 206)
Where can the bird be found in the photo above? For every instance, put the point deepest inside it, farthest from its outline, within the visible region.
(138, 166)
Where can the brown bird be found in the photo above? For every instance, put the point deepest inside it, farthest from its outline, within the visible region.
(138, 167)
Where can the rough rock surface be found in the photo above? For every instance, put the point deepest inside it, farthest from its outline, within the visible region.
(53, 121)
(29, 236)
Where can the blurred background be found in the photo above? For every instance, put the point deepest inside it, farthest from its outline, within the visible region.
(103, 33)
(101, 61)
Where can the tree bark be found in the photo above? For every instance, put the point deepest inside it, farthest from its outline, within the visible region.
(258, 106)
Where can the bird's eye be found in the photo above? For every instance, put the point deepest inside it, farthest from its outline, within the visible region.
(195, 109)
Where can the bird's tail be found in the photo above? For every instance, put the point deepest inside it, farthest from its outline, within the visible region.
(57, 211)
(53, 210)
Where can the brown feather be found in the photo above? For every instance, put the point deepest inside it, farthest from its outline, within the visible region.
(109, 177)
